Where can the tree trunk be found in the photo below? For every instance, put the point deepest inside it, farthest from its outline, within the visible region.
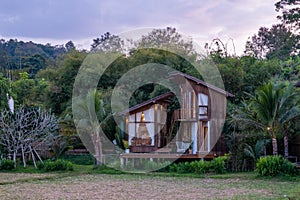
(23, 156)
(265, 149)
(286, 143)
(98, 149)
(36, 153)
(33, 158)
(15, 159)
(100, 161)
(275, 148)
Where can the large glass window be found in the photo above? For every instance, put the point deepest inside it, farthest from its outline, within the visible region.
(141, 127)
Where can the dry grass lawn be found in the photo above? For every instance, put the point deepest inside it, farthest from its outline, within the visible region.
(127, 186)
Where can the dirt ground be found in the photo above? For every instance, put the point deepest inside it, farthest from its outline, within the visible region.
(100, 186)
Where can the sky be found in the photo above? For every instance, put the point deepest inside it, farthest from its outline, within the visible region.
(58, 21)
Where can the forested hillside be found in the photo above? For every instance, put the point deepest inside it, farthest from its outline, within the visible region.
(29, 56)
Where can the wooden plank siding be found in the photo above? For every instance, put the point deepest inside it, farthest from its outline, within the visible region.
(207, 126)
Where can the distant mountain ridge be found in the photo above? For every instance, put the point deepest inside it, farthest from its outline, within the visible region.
(16, 54)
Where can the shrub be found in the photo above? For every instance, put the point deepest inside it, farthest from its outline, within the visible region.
(7, 164)
(58, 165)
(129, 166)
(184, 167)
(173, 168)
(39, 165)
(83, 159)
(156, 166)
(163, 166)
(274, 165)
(150, 165)
(218, 164)
(200, 167)
(115, 164)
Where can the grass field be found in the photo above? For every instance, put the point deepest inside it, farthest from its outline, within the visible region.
(88, 184)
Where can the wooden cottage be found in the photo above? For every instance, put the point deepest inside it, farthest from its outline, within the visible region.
(193, 131)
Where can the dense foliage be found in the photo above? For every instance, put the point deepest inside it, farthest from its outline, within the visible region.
(28, 56)
(6, 164)
(57, 165)
(217, 165)
(274, 165)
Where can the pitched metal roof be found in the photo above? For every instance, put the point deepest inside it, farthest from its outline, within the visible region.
(165, 97)
(161, 98)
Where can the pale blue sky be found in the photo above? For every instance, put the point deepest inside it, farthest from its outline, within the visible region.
(58, 21)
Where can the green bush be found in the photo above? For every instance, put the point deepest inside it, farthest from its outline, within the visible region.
(218, 164)
(7, 164)
(129, 166)
(150, 165)
(274, 165)
(39, 165)
(58, 165)
(83, 159)
(163, 166)
(156, 166)
(173, 168)
(184, 167)
(200, 167)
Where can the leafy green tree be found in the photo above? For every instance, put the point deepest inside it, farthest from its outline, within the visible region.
(290, 13)
(240, 74)
(271, 108)
(108, 43)
(4, 90)
(92, 113)
(258, 150)
(276, 42)
(218, 48)
(233, 75)
(40, 91)
(34, 64)
(23, 89)
(16, 54)
(169, 44)
(70, 46)
(262, 70)
(168, 39)
(290, 69)
(62, 80)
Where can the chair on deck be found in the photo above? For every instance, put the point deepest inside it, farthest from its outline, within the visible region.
(182, 146)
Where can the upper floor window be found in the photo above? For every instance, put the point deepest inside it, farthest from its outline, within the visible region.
(203, 106)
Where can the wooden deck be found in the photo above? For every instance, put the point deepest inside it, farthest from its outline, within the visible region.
(166, 155)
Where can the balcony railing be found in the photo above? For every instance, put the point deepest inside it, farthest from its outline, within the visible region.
(191, 114)
(187, 114)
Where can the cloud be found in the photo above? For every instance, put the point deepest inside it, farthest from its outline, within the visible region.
(82, 20)
(9, 19)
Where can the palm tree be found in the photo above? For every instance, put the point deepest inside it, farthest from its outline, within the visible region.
(258, 150)
(290, 101)
(90, 112)
(273, 107)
